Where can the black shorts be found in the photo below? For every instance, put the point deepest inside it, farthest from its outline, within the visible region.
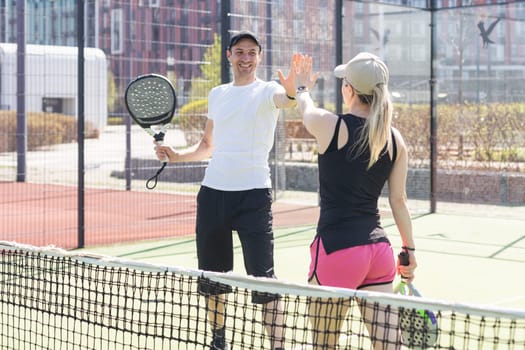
(219, 213)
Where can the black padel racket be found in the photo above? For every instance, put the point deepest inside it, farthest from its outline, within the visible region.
(151, 102)
(419, 327)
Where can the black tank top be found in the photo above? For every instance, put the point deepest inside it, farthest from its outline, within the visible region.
(349, 192)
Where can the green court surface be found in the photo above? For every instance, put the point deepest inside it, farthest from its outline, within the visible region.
(468, 259)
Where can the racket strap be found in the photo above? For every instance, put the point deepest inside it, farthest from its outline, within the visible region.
(152, 181)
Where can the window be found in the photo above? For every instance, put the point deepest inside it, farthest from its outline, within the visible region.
(500, 53)
(299, 5)
(117, 45)
(358, 27)
(324, 19)
(395, 53)
(520, 10)
(52, 105)
(419, 29)
(419, 53)
(520, 28)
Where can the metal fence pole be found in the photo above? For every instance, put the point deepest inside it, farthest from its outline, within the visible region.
(80, 122)
(338, 52)
(21, 119)
(433, 113)
(225, 39)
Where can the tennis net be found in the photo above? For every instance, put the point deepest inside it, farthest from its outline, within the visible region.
(55, 299)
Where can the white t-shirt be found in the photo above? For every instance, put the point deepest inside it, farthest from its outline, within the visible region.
(244, 121)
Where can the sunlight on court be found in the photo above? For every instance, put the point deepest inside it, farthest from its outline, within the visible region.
(466, 259)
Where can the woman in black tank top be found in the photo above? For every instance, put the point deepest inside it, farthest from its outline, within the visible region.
(358, 153)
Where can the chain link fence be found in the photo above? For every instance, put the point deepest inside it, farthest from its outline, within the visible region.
(458, 68)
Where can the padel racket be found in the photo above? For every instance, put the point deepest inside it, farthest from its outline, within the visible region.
(151, 102)
(419, 327)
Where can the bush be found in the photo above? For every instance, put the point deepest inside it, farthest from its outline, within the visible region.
(43, 129)
(295, 129)
(466, 133)
(413, 121)
(192, 120)
(116, 120)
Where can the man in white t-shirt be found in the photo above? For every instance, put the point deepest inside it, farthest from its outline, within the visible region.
(236, 190)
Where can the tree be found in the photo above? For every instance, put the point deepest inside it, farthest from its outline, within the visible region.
(112, 92)
(192, 116)
(460, 42)
(210, 69)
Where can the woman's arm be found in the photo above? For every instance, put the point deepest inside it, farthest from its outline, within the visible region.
(319, 122)
(398, 203)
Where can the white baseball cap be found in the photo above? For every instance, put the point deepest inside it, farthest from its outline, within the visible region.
(364, 72)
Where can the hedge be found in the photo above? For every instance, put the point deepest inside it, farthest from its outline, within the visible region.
(43, 129)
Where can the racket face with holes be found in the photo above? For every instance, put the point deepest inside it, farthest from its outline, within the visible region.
(419, 328)
(151, 101)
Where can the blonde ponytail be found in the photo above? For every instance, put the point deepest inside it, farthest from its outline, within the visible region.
(376, 131)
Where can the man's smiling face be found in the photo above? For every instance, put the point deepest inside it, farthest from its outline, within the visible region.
(244, 57)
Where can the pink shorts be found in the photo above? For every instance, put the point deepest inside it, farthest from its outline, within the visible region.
(354, 267)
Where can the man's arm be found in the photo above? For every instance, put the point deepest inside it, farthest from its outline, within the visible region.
(286, 99)
(282, 100)
(197, 152)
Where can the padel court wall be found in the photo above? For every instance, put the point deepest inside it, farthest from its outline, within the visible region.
(459, 103)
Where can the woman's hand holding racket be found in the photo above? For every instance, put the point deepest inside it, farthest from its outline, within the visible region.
(406, 265)
(151, 102)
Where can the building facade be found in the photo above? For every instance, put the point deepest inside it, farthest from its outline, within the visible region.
(163, 36)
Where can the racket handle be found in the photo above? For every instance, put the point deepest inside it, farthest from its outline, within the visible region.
(403, 258)
(159, 137)
(159, 140)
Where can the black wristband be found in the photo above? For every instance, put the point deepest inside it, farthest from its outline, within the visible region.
(290, 97)
(408, 248)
